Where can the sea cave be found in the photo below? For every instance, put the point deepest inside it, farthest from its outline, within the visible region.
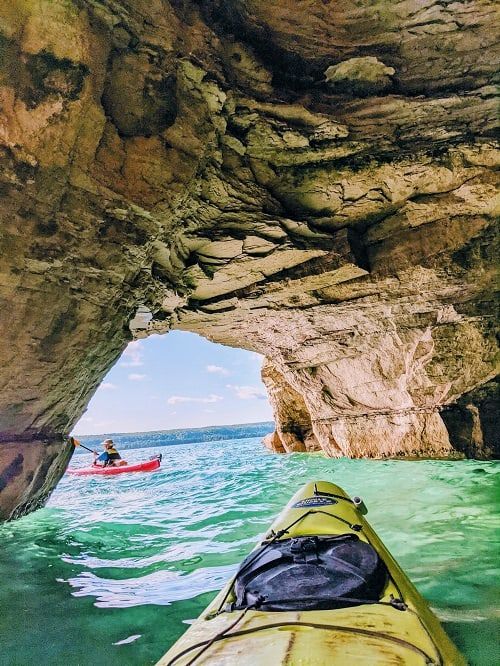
(313, 181)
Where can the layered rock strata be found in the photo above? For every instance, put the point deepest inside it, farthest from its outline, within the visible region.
(311, 180)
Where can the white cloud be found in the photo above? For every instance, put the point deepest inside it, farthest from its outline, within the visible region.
(217, 370)
(132, 356)
(248, 392)
(107, 386)
(175, 399)
(136, 378)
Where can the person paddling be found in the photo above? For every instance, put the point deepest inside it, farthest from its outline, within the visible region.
(109, 456)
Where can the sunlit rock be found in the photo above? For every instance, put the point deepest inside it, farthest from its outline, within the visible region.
(360, 76)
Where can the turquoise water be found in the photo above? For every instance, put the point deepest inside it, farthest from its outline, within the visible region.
(113, 569)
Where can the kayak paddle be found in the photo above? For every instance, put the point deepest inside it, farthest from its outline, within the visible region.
(75, 442)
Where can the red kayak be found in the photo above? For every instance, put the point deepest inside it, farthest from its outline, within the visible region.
(148, 466)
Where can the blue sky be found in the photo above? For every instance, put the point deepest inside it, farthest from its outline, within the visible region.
(178, 380)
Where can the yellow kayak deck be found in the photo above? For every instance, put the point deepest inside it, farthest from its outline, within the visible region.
(365, 635)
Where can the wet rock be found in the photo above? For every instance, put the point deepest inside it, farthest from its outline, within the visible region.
(29, 470)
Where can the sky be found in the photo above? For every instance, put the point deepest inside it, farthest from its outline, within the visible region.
(178, 380)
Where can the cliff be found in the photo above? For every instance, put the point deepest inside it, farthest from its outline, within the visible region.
(311, 180)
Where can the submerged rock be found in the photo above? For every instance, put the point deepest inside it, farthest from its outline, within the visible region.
(189, 163)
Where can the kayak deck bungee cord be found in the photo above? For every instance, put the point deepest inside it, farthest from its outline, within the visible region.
(320, 589)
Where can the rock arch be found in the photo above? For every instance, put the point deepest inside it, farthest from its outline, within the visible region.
(310, 180)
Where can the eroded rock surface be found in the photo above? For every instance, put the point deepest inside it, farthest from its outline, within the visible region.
(311, 180)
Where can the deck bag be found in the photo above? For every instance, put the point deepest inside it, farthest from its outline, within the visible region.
(310, 573)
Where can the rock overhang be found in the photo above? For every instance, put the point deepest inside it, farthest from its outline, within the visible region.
(322, 194)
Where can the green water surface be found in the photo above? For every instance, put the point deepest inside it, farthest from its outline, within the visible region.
(134, 558)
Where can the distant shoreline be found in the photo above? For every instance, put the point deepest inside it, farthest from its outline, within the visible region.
(187, 435)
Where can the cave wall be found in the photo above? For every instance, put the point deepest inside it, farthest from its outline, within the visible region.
(294, 429)
(472, 421)
(311, 180)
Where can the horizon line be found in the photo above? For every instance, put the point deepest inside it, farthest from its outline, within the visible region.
(136, 432)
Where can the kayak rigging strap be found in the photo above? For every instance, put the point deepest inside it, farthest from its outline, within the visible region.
(275, 536)
(323, 493)
(398, 604)
(205, 645)
(429, 661)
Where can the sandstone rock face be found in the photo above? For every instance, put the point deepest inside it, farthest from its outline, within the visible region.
(311, 180)
(294, 429)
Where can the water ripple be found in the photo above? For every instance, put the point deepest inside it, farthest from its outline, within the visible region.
(122, 563)
(160, 588)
